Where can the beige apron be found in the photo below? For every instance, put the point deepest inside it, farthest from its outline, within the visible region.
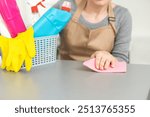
(79, 43)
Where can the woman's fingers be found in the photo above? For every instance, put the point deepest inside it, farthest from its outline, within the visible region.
(103, 60)
(113, 62)
(107, 64)
(97, 62)
(93, 55)
(102, 63)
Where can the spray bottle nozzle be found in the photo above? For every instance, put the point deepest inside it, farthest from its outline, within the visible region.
(40, 3)
(66, 6)
(35, 8)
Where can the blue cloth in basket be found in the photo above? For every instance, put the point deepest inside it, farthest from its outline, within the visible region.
(51, 23)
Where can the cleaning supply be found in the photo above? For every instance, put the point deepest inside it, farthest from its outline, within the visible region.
(48, 4)
(66, 6)
(119, 67)
(51, 23)
(18, 50)
(11, 16)
(21, 49)
(0, 56)
(35, 11)
(16, 55)
(0, 61)
(4, 50)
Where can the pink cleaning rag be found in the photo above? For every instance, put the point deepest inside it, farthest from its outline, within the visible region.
(119, 67)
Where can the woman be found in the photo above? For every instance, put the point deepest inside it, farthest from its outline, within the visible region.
(98, 29)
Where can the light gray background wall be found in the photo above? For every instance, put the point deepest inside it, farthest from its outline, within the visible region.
(140, 44)
(140, 12)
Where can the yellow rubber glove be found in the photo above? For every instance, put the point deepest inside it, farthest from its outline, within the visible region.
(21, 49)
(4, 50)
(28, 38)
(16, 55)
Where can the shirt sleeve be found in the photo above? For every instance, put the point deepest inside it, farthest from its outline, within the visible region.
(123, 38)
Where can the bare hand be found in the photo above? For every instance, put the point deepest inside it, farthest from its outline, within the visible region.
(104, 60)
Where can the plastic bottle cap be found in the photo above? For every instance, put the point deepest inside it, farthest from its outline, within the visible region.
(66, 6)
(66, 9)
(34, 9)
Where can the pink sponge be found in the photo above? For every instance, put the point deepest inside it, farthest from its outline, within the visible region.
(119, 67)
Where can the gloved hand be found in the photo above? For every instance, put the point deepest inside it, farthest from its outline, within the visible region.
(28, 39)
(4, 50)
(16, 55)
(21, 48)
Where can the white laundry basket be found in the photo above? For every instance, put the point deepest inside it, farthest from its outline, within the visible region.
(46, 50)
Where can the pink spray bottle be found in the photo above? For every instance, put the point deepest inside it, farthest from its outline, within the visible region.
(12, 17)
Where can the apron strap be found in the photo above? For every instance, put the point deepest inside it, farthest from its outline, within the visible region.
(111, 17)
(80, 8)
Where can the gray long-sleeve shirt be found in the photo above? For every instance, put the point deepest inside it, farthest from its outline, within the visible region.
(123, 27)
